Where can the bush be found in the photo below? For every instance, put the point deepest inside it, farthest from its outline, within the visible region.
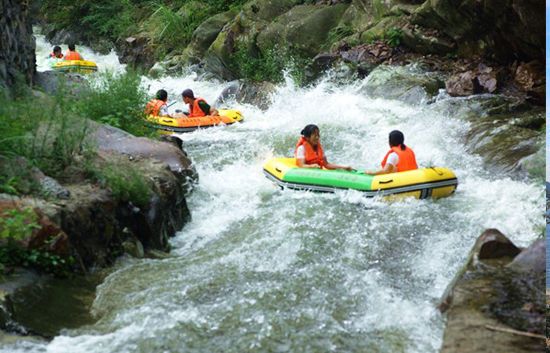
(118, 100)
(46, 132)
(269, 65)
(16, 225)
(394, 37)
(125, 181)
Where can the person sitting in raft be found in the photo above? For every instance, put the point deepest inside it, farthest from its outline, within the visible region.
(72, 54)
(56, 53)
(309, 152)
(158, 106)
(197, 106)
(399, 158)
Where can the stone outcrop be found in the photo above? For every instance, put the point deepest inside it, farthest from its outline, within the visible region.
(496, 301)
(505, 30)
(17, 46)
(93, 224)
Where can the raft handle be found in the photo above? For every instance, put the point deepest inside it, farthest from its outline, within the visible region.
(386, 181)
(277, 169)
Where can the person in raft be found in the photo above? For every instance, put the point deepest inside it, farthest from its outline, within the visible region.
(197, 106)
(309, 152)
(56, 53)
(158, 106)
(72, 54)
(399, 158)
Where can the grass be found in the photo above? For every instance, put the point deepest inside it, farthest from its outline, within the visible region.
(269, 65)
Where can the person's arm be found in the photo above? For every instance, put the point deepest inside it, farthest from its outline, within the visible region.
(214, 112)
(301, 162)
(164, 111)
(390, 166)
(336, 166)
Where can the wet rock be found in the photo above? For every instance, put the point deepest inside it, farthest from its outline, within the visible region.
(53, 82)
(427, 40)
(133, 247)
(404, 83)
(463, 84)
(319, 64)
(492, 244)
(531, 78)
(247, 92)
(487, 294)
(531, 260)
(136, 52)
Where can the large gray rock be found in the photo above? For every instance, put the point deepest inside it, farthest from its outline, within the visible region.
(404, 83)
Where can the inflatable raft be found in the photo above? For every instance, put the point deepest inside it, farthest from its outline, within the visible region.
(76, 66)
(184, 124)
(424, 183)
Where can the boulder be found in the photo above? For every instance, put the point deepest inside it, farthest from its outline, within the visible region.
(531, 260)
(54, 82)
(135, 51)
(489, 300)
(505, 30)
(404, 83)
(248, 92)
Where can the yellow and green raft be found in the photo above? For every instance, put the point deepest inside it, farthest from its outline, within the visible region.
(75, 66)
(423, 183)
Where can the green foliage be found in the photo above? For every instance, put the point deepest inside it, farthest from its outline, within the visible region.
(270, 65)
(118, 100)
(93, 18)
(337, 34)
(394, 36)
(125, 181)
(18, 224)
(45, 131)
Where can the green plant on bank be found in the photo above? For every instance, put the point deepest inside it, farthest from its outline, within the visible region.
(394, 36)
(45, 131)
(17, 225)
(92, 18)
(270, 65)
(118, 100)
(126, 182)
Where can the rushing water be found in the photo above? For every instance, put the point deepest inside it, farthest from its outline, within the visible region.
(264, 270)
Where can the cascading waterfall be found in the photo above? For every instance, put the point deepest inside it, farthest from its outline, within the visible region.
(264, 270)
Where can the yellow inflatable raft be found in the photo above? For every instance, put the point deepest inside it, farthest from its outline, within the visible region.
(75, 66)
(423, 183)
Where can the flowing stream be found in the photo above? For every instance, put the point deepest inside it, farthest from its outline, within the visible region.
(264, 270)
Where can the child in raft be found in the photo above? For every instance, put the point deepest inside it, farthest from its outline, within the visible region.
(309, 152)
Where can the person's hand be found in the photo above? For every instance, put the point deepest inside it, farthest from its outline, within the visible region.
(348, 168)
(369, 172)
(315, 165)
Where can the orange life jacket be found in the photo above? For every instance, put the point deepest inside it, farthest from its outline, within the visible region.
(153, 107)
(407, 160)
(195, 110)
(312, 156)
(72, 55)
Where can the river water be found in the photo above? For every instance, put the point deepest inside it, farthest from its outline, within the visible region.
(264, 270)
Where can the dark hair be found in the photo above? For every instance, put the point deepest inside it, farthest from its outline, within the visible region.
(397, 138)
(188, 93)
(71, 46)
(162, 95)
(56, 48)
(309, 129)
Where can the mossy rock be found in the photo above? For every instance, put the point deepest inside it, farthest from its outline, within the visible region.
(305, 26)
(208, 31)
